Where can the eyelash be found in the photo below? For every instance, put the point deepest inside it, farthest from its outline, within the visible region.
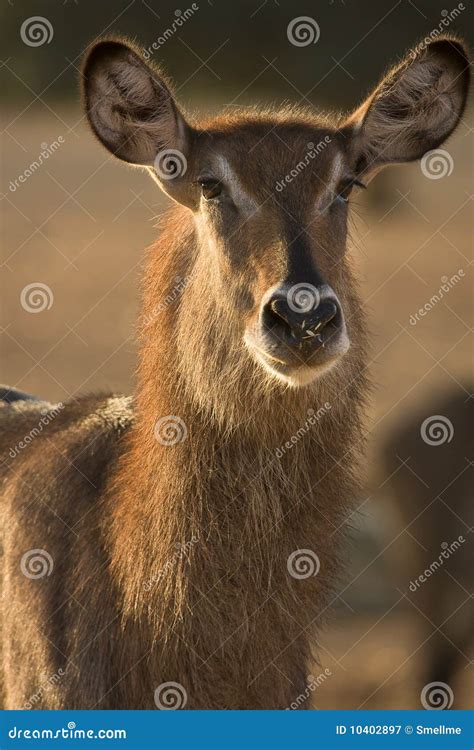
(349, 186)
(210, 188)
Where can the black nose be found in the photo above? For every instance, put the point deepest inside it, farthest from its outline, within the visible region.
(307, 325)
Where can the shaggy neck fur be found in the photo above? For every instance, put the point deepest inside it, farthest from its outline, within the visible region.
(201, 531)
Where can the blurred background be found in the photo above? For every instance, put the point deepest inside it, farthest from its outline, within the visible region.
(74, 225)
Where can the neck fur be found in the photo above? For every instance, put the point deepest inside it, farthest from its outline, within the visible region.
(202, 529)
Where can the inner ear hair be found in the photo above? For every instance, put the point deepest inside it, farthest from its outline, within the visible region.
(129, 103)
(416, 106)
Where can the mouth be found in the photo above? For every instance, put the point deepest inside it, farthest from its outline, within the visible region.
(289, 366)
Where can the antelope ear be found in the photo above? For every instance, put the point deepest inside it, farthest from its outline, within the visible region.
(131, 109)
(414, 108)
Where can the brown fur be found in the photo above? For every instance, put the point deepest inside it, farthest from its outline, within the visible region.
(170, 562)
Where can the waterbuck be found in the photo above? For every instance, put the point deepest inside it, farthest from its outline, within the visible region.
(180, 549)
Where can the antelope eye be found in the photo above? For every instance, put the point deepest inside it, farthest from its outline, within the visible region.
(346, 187)
(210, 189)
(344, 191)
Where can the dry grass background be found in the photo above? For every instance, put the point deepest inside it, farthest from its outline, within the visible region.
(79, 225)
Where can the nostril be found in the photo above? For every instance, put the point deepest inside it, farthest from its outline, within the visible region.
(279, 309)
(276, 315)
(327, 312)
(325, 320)
(308, 328)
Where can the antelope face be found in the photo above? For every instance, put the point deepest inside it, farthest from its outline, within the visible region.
(269, 195)
(273, 225)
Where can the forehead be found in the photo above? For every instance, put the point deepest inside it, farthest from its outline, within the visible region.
(266, 155)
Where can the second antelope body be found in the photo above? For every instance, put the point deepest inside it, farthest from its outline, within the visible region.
(161, 551)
